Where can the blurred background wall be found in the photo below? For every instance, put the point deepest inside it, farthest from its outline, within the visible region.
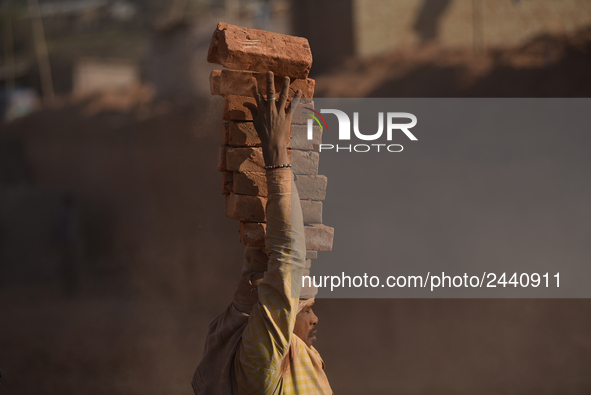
(114, 249)
(362, 28)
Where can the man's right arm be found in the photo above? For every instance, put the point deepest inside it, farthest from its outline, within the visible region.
(266, 339)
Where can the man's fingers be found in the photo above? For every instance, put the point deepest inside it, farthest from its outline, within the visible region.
(254, 110)
(256, 92)
(295, 102)
(257, 97)
(270, 86)
(284, 93)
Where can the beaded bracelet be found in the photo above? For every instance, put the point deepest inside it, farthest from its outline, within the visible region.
(272, 167)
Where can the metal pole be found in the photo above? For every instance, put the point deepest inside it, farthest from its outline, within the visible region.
(9, 57)
(41, 52)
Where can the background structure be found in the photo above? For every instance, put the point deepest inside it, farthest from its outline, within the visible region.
(115, 252)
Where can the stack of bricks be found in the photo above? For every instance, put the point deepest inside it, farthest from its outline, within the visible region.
(247, 53)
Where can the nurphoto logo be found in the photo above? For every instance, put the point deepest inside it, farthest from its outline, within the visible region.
(392, 121)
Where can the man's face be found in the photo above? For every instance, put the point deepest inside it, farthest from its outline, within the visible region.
(305, 326)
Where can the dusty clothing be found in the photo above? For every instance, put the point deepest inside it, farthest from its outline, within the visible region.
(251, 348)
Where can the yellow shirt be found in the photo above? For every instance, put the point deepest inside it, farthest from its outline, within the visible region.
(245, 349)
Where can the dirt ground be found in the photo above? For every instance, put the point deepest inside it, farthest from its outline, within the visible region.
(160, 258)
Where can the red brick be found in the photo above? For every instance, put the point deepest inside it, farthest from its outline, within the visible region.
(240, 48)
(319, 237)
(237, 108)
(233, 82)
(239, 83)
(222, 158)
(243, 134)
(311, 254)
(227, 182)
(244, 159)
(250, 183)
(299, 137)
(299, 116)
(307, 267)
(305, 162)
(252, 234)
(225, 133)
(215, 82)
(245, 208)
(311, 186)
(312, 211)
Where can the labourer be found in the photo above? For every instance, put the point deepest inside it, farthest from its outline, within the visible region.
(262, 343)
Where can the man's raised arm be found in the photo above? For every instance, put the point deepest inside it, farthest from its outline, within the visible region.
(267, 336)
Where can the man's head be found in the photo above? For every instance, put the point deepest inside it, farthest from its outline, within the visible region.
(306, 320)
